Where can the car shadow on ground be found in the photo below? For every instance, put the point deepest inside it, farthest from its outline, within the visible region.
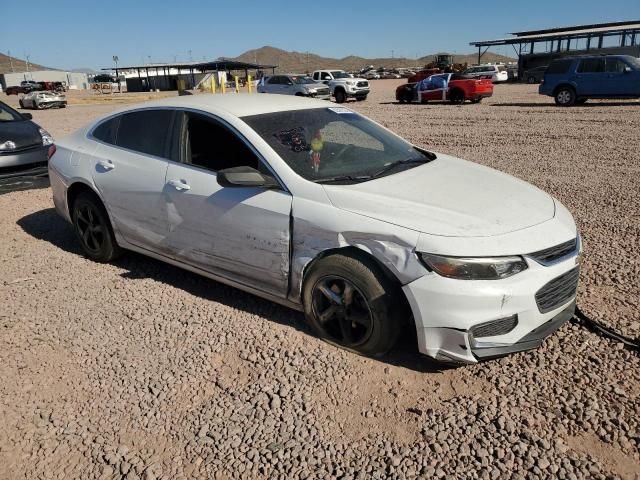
(15, 184)
(47, 225)
(583, 105)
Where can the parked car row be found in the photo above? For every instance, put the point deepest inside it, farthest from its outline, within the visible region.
(28, 86)
(42, 100)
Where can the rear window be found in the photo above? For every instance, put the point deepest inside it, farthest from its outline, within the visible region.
(145, 131)
(559, 66)
(106, 131)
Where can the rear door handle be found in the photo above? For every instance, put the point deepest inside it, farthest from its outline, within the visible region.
(179, 185)
(106, 164)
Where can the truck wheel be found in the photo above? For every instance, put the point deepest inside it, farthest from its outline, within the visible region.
(350, 303)
(565, 97)
(457, 97)
(341, 97)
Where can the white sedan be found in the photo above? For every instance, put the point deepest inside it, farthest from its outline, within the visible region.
(325, 211)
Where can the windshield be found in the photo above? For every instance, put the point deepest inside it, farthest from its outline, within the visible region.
(302, 80)
(8, 114)
(325, 143)
(339, 74)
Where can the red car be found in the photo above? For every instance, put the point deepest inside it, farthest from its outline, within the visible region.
(451, 87)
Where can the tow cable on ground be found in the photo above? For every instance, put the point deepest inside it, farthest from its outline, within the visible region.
(581, 319)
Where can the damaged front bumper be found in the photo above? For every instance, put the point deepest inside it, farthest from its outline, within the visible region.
(463, 321)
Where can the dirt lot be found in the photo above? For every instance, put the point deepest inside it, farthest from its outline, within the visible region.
(141, 370)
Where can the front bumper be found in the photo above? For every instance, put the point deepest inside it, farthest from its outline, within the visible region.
(358, 92)
(32, 161)
(446, 311)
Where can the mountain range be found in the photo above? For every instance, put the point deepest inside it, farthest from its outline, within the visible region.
(297, 62)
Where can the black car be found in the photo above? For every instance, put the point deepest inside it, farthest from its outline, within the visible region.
(25, 147)
(534, 75)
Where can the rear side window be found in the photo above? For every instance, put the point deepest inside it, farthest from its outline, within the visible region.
(591, 65)
(274, 81)
(106, 131)
(145, 131)
(559, 67)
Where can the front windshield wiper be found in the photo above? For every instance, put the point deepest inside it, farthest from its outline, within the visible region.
(344, 178)
(398, 163)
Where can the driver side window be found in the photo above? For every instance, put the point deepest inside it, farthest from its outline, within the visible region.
(210, 145)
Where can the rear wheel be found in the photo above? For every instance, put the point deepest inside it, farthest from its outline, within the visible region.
(350, 303)
(93, 229)
(565, 97)
(341, 97)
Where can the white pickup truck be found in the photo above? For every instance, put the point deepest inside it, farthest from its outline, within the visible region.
(342, 85)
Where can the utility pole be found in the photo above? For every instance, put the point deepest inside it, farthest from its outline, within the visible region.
(190, 57)
(10, 60)
(27, 58)
(391, 53)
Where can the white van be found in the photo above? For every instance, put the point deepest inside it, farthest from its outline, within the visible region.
(498, 72)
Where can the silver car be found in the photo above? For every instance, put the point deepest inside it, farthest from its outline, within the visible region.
(299, 85)
(41, 100)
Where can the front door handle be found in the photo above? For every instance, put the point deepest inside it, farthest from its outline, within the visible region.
(180, 185)
(106, 164)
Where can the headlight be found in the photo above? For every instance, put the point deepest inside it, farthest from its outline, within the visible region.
(472, 268)
(310, 90)
(47, 139)
(6, 146)
(351, 82)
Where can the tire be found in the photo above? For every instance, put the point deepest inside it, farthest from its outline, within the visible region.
(21, 103)
(565, 97)
(369, 321)
(89, 215)
(341, 97)
(457, 97)
(531, 80)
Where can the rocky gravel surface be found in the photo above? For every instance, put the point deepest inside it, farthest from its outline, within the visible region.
(138, 370)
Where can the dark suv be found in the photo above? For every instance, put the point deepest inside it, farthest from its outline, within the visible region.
(576, 79)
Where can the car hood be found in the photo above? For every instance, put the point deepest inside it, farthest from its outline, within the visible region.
(448, 197)
(22, 133)
(343, 80)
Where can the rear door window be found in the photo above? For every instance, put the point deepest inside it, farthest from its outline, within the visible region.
(591, 65)
(559, 67)
(145, 131)
(106, 131)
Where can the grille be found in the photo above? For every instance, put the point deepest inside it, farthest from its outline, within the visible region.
(322, 91)
(558, 291)
(550, 254)
(363, 84)
(495, 327)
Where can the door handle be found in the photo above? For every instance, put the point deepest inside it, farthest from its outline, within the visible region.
(179, 185)
(106, 164)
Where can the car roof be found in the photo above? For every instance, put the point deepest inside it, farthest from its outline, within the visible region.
(236, 104)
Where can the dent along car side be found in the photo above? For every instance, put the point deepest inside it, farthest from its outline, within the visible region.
(323, 210)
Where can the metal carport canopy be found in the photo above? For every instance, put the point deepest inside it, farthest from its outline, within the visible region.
(219, 64)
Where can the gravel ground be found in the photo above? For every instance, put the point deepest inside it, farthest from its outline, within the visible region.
(141, 370)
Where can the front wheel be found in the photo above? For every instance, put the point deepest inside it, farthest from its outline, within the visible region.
(350, 303)
(93, 229)
(341, 97)
(565, 97)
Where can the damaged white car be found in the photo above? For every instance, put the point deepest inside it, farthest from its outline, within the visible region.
(320, 209)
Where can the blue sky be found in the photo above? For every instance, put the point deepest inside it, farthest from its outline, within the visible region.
(72, 34)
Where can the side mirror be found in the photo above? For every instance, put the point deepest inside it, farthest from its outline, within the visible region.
(27, 116)
(245, 177)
